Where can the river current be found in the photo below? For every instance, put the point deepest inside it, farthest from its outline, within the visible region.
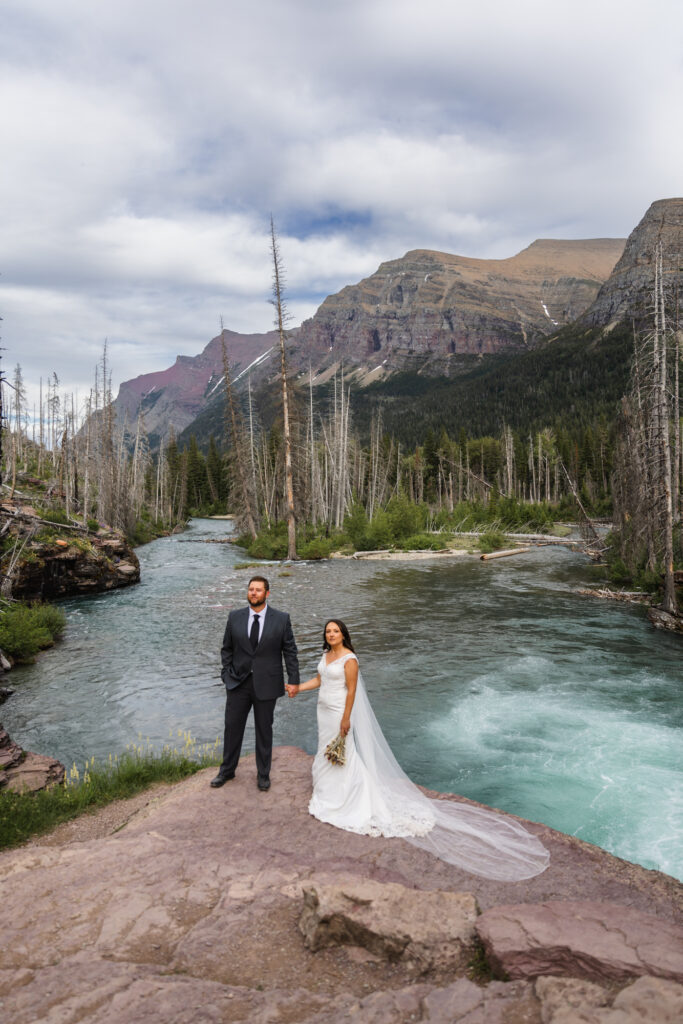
(491, 679)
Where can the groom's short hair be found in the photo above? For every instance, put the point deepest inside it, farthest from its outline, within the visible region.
(260, 579)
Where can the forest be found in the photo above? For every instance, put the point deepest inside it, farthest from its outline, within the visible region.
(588, 426)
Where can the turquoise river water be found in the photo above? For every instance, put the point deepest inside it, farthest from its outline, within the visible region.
(494, 680)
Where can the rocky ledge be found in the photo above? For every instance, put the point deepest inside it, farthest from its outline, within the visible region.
(22, 770)
(56, 561)
(234, 905)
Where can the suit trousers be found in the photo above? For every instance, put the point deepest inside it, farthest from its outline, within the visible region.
(237, 706)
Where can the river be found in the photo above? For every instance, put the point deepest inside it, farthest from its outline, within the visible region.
(494, 680)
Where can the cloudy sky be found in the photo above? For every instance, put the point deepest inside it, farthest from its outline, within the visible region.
(145, 144)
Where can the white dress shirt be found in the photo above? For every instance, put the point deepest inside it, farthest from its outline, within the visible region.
(261, 617)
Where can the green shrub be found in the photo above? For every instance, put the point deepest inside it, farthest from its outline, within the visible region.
(317, 547)
(26, 629)
(93, 525)
(492, 541)
(405, 517)
(54, 515)
(378, 534)
(356, 523)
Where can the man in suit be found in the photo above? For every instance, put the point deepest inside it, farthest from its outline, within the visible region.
(256, 640)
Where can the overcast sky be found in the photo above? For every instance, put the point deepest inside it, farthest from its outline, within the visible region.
(145, 144)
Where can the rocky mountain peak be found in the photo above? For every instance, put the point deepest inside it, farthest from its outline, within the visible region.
(627, 291)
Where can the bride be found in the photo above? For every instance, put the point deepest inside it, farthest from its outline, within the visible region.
(369, 793)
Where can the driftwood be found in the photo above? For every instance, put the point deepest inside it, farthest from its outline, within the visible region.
(632, 596)
(47, 522)
(504, 554)
(539, 539)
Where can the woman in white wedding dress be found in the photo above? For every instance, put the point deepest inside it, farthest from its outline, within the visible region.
(371, 794)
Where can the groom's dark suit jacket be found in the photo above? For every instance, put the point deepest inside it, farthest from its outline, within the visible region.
(239, 660)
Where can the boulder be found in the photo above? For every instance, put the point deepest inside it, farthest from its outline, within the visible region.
(5, 691)
(10, 752)
(603, 942)
(23, 771)
(647, 1001)
(36, 772)
(433, 930)
(497, 1003)
(567, 1000)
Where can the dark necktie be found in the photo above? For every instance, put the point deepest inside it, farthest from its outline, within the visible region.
(253, 635)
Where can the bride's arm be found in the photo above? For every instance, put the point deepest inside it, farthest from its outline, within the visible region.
(310, 684)
(351, 677)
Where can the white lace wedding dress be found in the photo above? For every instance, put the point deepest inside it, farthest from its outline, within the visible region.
(372, 795)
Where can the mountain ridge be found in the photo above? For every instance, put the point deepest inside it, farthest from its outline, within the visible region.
(470, 306)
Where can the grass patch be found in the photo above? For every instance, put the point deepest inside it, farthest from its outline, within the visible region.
(479, 969)
(23, 815)
(26, 629)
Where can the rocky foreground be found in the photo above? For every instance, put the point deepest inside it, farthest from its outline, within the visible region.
(236, 905)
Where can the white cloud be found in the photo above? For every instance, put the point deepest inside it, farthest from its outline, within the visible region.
(145, 145)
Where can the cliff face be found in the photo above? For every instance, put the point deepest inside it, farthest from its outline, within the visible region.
(172, 398)
(627, 291)
(439, 305)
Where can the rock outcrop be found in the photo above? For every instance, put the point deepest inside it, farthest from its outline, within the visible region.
(627, 292)
(436, 305)
(189, 910)
(54, 562)
(599, 941)
(23, 771)
(434, 930)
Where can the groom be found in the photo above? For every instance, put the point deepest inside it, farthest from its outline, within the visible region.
(255, 642)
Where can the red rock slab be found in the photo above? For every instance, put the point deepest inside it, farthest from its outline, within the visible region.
(35, 772)
(603, 942)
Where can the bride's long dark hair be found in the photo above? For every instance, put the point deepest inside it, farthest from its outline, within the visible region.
(344, 632)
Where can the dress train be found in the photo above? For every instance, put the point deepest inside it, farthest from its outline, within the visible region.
(371, 794)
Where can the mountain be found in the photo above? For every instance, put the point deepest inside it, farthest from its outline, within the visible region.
(173, 398)
(427, 309)
(436, 306)
(627, 291)
(578, 375)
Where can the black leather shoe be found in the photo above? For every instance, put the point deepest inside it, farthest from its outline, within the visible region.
(221, 779)
(263, 782)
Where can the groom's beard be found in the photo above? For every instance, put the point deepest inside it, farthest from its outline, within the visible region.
(256, 604)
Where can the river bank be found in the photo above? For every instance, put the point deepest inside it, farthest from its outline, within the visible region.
(498, 682)
(133, 922)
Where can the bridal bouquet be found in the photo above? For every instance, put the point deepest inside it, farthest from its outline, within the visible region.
(335, 752)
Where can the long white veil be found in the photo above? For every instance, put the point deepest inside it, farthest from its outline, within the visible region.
(480, 841)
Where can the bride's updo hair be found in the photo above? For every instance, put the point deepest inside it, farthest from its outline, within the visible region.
(346, 639)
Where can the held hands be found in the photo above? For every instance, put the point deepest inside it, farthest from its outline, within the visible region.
(291, 690)
(345, 726)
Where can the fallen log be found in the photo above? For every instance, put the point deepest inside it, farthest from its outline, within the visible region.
(632, 596)
(504, 554)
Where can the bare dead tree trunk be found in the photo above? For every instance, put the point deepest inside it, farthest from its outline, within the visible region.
(278, 302)
(237, 441)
